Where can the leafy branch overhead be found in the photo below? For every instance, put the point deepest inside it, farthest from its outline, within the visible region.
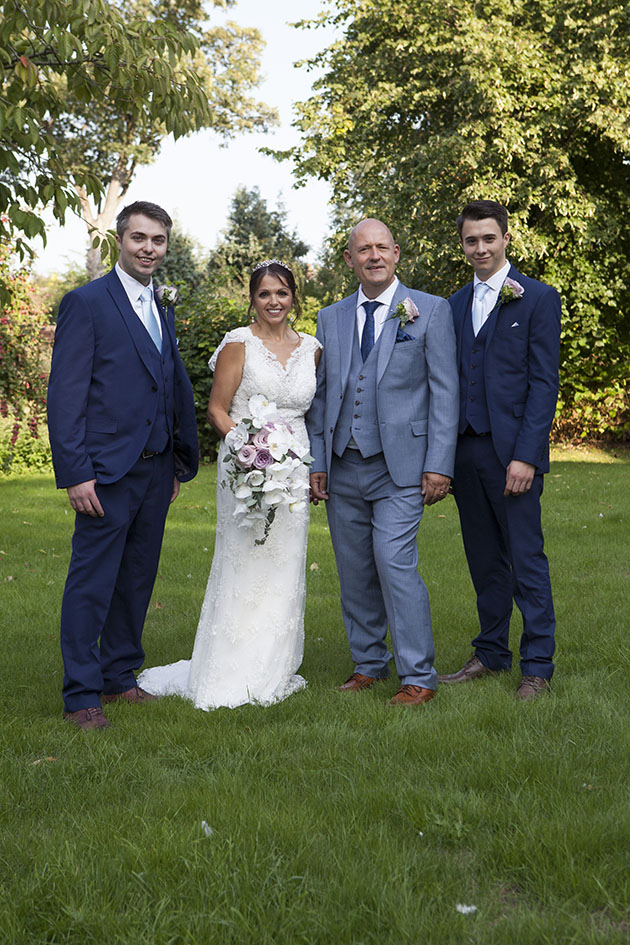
(89, 89)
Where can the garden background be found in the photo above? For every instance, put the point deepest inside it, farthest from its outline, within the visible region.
(330, 821)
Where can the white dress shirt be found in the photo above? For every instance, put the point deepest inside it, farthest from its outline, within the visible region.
(380, 314)
(494, 284)
(134, 290)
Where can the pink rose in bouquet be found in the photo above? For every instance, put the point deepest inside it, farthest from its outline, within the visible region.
(263, 459)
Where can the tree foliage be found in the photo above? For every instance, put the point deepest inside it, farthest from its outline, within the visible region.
(53, 53)
(424, 106)
(254, 232)
(110, 140)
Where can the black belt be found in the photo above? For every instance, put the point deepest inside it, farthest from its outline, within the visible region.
(147, 454)
(470, 432)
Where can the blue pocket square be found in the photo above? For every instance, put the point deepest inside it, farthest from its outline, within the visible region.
(402, 336)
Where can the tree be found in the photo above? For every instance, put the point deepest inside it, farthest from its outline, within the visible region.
(110, 141)
(77, 78)
(253, 233)
(425, 106)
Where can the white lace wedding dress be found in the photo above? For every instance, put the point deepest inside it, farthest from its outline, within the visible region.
(250, 637)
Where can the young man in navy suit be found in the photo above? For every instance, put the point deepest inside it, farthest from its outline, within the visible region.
(121, 419)
(508, 345)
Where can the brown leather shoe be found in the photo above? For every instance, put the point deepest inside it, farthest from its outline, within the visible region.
(135, 694)
(86, 719)
(473, 669)
(532, 687)
(358, 681)
(412, 695)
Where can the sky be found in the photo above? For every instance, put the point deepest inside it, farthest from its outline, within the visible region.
(195, 178)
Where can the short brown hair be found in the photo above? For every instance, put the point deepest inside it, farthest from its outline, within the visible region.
(482, 210)
(147, 209)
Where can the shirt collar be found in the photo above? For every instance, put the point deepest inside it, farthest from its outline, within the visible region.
(132, 287)
(495, 281)
(385, 298)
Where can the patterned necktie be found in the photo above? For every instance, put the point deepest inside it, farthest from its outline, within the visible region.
(478, 308)
(149, 319)
(367, 339)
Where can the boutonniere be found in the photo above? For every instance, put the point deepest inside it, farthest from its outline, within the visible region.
(511, 291)
(167, 294)
(406, 311)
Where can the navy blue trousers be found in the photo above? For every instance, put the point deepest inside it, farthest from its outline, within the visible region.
(110, 580)
(504, 545)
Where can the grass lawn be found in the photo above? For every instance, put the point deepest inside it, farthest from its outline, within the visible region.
(330, 818)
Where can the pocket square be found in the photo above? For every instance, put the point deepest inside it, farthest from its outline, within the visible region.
(402, 336)
(514, 325)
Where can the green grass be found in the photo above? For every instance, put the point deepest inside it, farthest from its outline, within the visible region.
(335, 818)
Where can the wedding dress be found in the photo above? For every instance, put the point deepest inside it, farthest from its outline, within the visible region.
(250, 637)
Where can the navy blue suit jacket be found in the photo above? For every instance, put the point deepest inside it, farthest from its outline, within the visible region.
(520, 368)
(102, 395)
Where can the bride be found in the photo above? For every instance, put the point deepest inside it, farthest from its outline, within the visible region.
(250, 637)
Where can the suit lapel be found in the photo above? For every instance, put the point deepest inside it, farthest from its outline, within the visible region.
(388, 334)
(346, 327)
(138, 332)
(462, 312)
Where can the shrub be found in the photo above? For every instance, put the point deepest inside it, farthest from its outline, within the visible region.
(24, 366)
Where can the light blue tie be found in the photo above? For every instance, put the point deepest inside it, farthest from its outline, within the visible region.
(367, 339)
(148, 316)
(478, 307)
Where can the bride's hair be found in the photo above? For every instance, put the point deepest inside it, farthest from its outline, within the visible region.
(273, 267)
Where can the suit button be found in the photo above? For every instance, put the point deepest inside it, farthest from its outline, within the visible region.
(472, 383)
(475, 350)
(154, 389)
(356, 416)
(356, 403)
(361, 377)
(331, 429)
(148, 423)
(359, 389)
(471, 398)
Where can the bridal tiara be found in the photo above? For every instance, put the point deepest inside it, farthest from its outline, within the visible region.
(269, 262)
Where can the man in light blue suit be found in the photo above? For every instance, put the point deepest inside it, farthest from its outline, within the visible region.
(383, 429)
(508, 346)
(121, 419)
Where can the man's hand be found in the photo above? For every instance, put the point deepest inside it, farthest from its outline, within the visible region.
(519, 477)
(434, 487)
(175, 492)
(319, 481)
(83, 498)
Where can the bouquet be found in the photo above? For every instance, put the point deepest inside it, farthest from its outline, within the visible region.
(267, 466)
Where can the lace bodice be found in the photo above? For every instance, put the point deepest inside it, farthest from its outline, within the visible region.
(291, 388)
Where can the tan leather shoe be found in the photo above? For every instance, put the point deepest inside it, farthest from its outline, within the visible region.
(86, 719)
(358, 681)
(135, 694)
(532, 687)
(412, 695)
(473, 669)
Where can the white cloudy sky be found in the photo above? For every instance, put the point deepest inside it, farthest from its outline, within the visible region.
(194, 178)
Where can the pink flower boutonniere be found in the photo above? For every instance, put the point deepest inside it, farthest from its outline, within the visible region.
(167, 295)
(406, 311)
(511, 291)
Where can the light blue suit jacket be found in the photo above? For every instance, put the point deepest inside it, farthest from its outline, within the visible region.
(417, 398)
